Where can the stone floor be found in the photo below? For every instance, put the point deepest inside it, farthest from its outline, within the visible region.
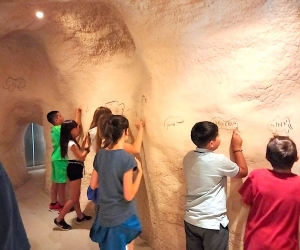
(38, 221)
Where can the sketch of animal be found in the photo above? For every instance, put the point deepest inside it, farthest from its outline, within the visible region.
(116, 107)
(173, 121)
(280, 124)
(132, 111)
(11, 84)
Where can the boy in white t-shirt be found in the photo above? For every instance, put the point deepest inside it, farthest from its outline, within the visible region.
(206, 222)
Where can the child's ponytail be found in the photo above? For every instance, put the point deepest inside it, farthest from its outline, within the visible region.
(113, 129)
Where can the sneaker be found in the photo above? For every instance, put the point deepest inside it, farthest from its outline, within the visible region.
(54, 207)
(83, 219)
(62, 225)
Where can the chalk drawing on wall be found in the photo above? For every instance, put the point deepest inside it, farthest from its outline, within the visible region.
(280, 124)
(134, 112)
(11, 84)
(85, 112)
(223, 124)
(144, 100)
(173, 122)
(116, 107)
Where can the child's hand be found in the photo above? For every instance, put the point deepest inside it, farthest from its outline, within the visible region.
(88, 140)
(78, 111)
(139, 124)
(84, 141)
(139, 165)
(236, 141)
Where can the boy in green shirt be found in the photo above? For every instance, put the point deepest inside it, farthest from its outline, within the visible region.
(59, 164)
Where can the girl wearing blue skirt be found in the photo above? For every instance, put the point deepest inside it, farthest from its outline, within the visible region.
(117, 223)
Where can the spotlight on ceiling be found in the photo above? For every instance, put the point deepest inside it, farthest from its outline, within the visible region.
(39, 14)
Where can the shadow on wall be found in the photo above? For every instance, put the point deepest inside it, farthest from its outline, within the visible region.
(236, 213)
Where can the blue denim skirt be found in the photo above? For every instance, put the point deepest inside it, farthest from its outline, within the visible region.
(116, 238)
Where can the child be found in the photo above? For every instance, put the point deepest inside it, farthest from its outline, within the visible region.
(99, 117)
(273, 197)
(117, 223)
(93, 127)
(206, 222)
(59, 164)
(101, 114)
(76, 155)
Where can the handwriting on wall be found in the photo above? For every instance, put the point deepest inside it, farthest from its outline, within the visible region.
(173, 121)
(11, 84)
(228, 125)
(280, 124)
(116, 107)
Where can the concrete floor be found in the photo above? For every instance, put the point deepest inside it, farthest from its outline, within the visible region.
(38, 221)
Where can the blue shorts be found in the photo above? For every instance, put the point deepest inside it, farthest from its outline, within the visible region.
(116, 238)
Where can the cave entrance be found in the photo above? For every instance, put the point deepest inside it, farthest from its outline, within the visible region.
(35, 146)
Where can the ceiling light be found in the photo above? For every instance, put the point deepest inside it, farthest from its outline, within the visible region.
(39, 14)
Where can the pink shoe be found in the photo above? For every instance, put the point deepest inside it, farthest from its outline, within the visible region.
(55, 207)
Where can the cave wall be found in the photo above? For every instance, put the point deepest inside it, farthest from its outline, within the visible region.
(171, 63)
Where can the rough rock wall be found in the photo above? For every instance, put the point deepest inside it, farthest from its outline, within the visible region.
(171, 63)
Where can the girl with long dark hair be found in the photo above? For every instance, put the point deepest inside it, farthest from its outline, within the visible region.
(76, 155)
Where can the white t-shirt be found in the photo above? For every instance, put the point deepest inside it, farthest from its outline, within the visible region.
(205, 201)
(71, 156)
(93, 134)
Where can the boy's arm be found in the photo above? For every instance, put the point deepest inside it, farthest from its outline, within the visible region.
(236, 145)
(241, 162)
(78, 116)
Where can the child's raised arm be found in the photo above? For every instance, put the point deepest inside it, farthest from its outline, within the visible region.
(130, 187)
(136, 146)
(77, 117)
(80, 155)
(236, 145)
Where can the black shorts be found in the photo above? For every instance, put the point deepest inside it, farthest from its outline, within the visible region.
(74, 170)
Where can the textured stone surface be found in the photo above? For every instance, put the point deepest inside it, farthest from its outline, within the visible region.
(172, 63)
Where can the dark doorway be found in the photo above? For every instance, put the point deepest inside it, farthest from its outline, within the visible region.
(35, 146)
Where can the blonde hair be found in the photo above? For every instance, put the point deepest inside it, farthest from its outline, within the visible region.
(98, 112)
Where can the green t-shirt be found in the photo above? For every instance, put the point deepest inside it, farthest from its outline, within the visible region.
(55, 137)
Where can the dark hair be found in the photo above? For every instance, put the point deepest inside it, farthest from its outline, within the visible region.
(281, 152)
(99, 137)
(112, 129)
(204, 132)
(66, 136)
(98, 112)
(51, 116)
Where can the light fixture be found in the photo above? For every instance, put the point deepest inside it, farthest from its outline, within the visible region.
(39, 14)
